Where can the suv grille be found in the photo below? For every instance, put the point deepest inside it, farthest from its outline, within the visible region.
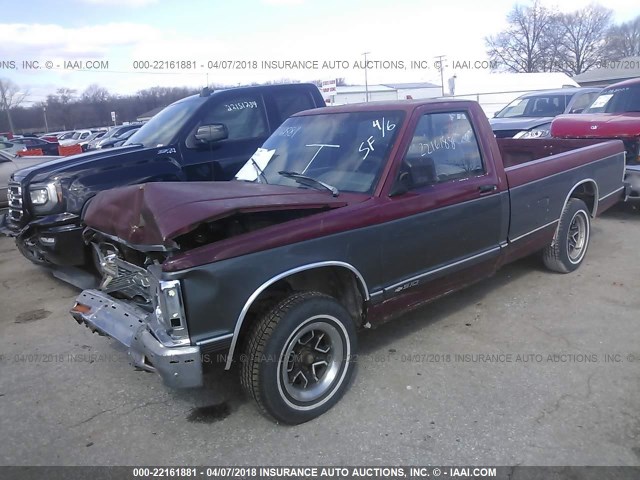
(14, 195)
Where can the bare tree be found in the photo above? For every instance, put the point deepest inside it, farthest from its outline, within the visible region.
(10, 97)
(522, 46)
(583, 38)
(66, 96)
(552, 46)
(624, 40)
(94, 93)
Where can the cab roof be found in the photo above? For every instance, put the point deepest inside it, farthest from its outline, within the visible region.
(402, 105)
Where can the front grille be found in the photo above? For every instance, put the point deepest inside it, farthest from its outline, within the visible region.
(14, 196)
(127, 279)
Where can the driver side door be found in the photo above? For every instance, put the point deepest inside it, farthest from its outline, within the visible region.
(454, 212)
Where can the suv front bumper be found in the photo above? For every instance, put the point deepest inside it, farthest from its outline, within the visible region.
(49, 241)
(179, 366)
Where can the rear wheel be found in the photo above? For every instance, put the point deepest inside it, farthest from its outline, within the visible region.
(298, 360)
(569, 247)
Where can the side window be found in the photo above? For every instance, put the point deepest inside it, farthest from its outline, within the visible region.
(583, 101)
(444, 148)
(290, 102)
(243, 115)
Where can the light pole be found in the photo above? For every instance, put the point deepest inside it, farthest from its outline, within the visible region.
(46, 125)
(441, 64)
(366, 82)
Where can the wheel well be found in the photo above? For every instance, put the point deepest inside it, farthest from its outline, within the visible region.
(588, 193)
(337, 282)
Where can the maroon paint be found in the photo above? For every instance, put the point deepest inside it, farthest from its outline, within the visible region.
(525, 173)
(599, 125)
(155, 213)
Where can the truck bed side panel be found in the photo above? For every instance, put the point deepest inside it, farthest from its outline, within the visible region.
(539, 189)
(516, 151)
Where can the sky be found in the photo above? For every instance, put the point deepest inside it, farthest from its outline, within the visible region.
(126, 39)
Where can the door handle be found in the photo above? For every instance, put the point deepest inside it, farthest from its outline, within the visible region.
(487, 188)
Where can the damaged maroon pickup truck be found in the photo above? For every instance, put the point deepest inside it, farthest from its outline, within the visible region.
(347, 217)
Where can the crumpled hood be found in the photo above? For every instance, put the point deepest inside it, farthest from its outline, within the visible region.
(153, 214)
(597, 125)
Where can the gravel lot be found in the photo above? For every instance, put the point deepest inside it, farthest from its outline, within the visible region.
(68, 397)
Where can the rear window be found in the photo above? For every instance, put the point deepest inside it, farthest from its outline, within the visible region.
(290, 102)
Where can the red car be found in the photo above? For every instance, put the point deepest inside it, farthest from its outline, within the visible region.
(614, 114)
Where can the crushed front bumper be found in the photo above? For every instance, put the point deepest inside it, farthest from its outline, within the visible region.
(180, 366)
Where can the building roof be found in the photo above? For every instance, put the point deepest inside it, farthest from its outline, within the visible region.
(363, 88)
(149, 114)
(614, 71)
(405, 86)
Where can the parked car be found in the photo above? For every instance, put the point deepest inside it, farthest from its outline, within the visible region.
(530, 115)
(202, 137)
(65, 135)
(9, 163)
(112, 133)
(117, 141)
(31, 143)
(614, 114)
(9, 147)
(94, 136)
(346, 217)
(76, 137)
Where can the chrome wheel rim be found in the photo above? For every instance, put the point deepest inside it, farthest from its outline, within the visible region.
(311, 361)
(577, 236)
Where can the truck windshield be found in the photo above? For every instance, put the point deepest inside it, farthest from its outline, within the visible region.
(617, 100)
(347, 151)
(538, 106)
(163, 127)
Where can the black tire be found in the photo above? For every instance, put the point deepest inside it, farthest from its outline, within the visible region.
(569, 246)
(279, 356)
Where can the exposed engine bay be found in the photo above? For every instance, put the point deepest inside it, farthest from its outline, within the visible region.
(125, 270)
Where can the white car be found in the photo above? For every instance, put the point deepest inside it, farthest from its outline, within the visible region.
(10, 147)
(77, 137)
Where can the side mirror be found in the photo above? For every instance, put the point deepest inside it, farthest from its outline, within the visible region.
(211, 133)
(495, 114)
(577, 110)
(401, 186)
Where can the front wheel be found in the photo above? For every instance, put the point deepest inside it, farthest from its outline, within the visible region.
(298, 359)
(569, 247)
